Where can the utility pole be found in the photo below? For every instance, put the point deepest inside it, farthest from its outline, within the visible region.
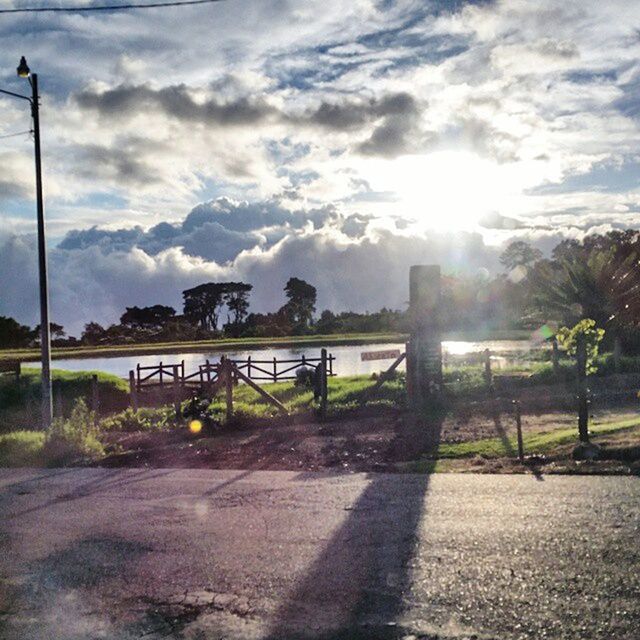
(45, 332)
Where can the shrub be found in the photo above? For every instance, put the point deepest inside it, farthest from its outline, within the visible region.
(73, 438)
(144, 419)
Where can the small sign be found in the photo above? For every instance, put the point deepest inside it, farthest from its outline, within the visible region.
(380, 355)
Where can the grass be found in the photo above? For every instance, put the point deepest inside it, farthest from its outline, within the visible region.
(20, 399)
(344, 393)
(22, 449)
(227, 344)
(534, 443)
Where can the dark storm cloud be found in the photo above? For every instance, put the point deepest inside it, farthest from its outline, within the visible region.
(175, 101)
(178, 102)
(122, 163)
(217, 231)
(347, 114)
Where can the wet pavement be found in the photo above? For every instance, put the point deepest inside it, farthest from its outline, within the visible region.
(203, 554)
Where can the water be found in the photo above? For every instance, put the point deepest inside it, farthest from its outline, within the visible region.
(347, 357)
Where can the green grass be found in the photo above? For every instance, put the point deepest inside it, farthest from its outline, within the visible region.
(22, 449)
(20, 399)
(542, 442)
(344, 393)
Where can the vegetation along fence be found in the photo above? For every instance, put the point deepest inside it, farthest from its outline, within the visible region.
(154, 382)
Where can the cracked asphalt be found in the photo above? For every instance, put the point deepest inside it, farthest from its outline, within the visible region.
(203, 554)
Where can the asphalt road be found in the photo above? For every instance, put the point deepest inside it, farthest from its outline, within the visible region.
(96, 553)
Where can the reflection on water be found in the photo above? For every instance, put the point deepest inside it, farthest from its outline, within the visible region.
(347, 357)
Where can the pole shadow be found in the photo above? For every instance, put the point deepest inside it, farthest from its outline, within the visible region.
(360, 584)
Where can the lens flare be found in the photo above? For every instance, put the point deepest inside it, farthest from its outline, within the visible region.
(195, 426)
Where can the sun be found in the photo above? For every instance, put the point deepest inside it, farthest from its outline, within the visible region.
(444, 190)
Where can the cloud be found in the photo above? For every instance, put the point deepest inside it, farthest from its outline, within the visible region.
(354, 266)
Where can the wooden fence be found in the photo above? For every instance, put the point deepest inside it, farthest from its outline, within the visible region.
(155, 382)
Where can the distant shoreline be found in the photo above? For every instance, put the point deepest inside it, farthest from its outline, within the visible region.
(229, 344)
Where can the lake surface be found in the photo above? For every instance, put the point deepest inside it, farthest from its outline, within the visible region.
(347, 357)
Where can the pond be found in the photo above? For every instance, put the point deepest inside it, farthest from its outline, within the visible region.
(347, 357)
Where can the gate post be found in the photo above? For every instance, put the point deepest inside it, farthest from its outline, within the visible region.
(424, 350)
(323, 382)
(133, 392)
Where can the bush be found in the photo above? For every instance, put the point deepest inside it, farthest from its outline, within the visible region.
(76, 437)
(145, 419)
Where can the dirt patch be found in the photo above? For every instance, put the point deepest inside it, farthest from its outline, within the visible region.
(385, 440)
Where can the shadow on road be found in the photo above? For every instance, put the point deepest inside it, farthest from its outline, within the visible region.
(55, 599)
(359, 585)
(106, 480)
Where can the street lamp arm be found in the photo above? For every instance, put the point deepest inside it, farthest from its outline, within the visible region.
(16, 95)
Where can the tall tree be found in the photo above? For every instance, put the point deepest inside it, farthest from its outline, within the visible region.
(237, 300)
(202, 304)
(154, 317)
(13, 334)
(519, 254)
(301, 304)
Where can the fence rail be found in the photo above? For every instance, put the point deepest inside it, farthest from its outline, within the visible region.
(274, 370)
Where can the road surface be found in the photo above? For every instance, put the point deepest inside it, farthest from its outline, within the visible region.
(199, 554)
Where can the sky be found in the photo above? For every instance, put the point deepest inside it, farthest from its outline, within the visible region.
(336, 142)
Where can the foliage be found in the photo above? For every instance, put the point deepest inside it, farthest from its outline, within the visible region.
(20, 399)
(73, 438)
(14, 334)
(301, 303)
(144, 419)
(21, 448)
(519, 254)
(154, 317)
(586, 331)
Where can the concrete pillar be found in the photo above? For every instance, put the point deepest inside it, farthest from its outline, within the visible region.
(424, 353)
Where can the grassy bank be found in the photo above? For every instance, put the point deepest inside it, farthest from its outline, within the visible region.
(20, 399)
(230, 344)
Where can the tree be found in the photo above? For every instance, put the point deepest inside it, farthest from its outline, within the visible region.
(202, 304)
(301, 304)
(13, 334)
(56, 330)
(584, 331)
(155, 317)
(237, 300)
(93, 333)
(519, 254)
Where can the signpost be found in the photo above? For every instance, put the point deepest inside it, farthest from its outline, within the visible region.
(389, 354)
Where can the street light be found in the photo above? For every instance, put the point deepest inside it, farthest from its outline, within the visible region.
(45, 337)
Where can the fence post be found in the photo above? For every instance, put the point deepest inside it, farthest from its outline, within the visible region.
(488, 376)
(323, 379)
(133, 392)
(275, 370)
(555, 357)
(176, 391)
(583, 407)
(617, 354)
(208, 371)
(95, 395)
(516, 407)
(248, 366)
(228, 381)
(160, 373)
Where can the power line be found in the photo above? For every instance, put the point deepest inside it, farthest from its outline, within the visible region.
(111, 7)
(15, 135)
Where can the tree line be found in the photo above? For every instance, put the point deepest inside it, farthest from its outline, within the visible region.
(597, 277)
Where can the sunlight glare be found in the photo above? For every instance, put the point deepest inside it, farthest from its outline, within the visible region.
(445, 190)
